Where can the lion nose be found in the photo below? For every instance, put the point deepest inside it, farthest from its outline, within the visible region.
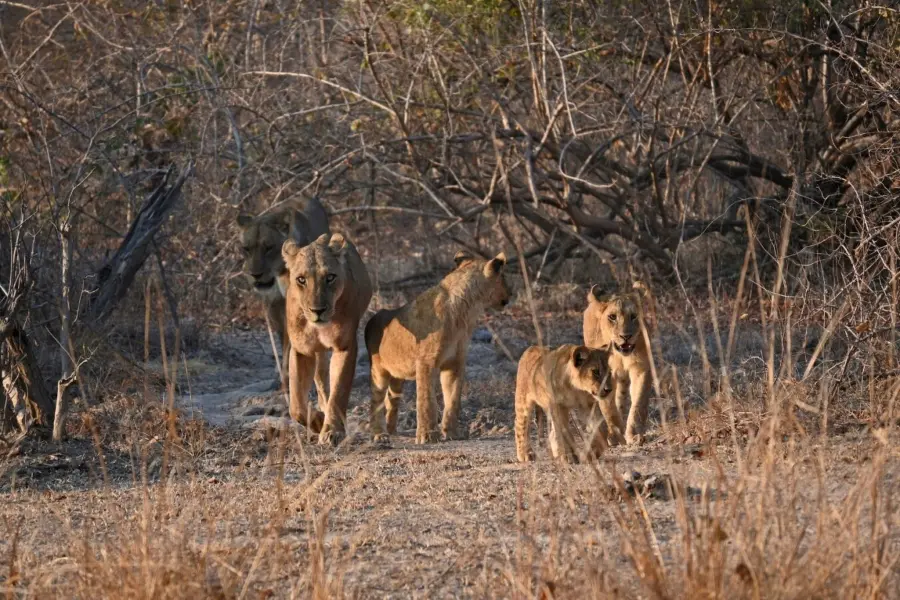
(318, 311)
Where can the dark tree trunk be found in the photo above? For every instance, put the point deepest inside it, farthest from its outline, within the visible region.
(23, 385)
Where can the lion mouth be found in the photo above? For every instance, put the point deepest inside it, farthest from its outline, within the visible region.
(624, 347)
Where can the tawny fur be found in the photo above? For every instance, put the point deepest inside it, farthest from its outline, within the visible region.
(261, 239)
(559, 381)
(427, 337)
(614, 322)
(328, 291)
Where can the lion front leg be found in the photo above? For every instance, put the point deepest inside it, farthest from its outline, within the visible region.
(322, 378)
(610, 410)
(275, 312)
(343, 367)
(562, 444)
(452, 380)
(598, 433)
(300, 375)
(426, 408)
(640, 400)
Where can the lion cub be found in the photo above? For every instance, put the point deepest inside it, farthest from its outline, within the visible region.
(613, 321)
(430, 335)
(560, 380)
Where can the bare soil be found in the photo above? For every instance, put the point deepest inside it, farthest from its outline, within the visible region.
(240, 501)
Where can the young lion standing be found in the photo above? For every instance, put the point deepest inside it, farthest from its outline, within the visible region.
(261, 240)
(614, 322)
(429, 336)
(328, 291)
(569, 377)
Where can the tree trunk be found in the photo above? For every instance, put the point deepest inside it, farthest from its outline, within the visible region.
(24, 388)
(65, 380)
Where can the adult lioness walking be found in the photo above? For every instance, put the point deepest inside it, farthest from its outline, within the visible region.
(428, 336)
(261, 240)
(614, 321)
(328, 291)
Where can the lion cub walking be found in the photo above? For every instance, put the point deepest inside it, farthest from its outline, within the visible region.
(560, 380)
(428, 336)
(613, 321)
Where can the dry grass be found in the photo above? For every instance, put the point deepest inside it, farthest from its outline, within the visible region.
(757, 499)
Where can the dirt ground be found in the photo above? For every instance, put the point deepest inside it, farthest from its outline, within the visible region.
(241, 504)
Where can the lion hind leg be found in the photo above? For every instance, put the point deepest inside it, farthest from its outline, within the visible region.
(524, 409)
(452, 381)
(426, 407)
(393, 401)
(380, 382)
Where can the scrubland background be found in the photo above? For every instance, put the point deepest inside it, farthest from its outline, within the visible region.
(742, 157)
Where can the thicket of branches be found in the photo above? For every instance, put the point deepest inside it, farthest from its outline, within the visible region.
(613, 132)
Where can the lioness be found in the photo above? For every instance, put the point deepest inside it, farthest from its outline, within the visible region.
(430, 335)
(261, 240)
(560, 380)
(614, 321)
(328, 292)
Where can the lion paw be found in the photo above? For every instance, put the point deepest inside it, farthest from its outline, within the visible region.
(429, 437)
(635, 439)
(381, 440)
(448, 435)
(331, 436)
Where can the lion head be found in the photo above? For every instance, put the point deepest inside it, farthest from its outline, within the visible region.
(487, 275)
(617, 317)
(589, 371)
(319, 273)
(262, 237)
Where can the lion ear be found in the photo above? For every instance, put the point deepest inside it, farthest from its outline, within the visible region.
(244, 220)
(300, 228)
(338, 243)
(461, 257)
(322, 240)
(289, 249)
(580, 355)
(493, 267)
(641, 288)
(596, 294)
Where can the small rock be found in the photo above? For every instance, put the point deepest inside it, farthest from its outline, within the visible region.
(631, 476)
(253, 411)
(482, 336)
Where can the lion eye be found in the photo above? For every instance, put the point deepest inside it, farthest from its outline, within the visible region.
(612, 318)
(330, 277)
(301, 280)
